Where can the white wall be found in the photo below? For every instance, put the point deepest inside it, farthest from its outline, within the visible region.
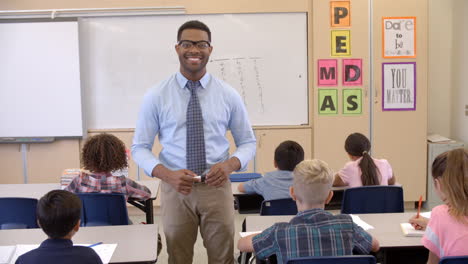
(440, 67)
(459, 54)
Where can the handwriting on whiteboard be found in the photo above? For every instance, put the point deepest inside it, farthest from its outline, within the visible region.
(245, 75)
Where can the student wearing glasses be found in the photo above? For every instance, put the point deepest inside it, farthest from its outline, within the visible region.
(190, 112)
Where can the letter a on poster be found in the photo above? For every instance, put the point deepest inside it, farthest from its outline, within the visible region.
(328, 101)
(340, 43)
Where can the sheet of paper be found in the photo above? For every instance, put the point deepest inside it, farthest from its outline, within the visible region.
(426, 214)
(244, 234)
(105, 251)
(408, 230)
(21, 249)
(6, 253)
(358, 221)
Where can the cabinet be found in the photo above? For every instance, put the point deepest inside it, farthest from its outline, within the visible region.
(44, 162)
(398, 136)
(433, 150)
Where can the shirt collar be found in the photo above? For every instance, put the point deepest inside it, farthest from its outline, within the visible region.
(183, 81)
(57, 242)
(310, 212)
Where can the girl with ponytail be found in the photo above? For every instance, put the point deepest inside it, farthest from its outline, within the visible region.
(363, 170)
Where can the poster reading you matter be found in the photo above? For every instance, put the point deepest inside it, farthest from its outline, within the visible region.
(399, 86)
(399, 37)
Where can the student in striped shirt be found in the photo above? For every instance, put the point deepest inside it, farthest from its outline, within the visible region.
(103, 154)
(313, 231)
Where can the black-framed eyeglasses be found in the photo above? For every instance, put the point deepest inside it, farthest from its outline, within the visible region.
(188, 44)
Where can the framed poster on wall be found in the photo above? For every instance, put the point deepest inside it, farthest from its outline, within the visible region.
(399, 86)
(399, 37)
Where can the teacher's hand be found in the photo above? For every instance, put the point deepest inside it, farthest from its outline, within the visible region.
(219, 173)
(180, 180)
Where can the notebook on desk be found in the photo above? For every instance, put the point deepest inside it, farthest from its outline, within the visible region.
(409, 231)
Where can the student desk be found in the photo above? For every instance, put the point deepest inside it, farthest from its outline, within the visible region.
(37, 190)
(386, 229)
(251, 203)
(135, 243)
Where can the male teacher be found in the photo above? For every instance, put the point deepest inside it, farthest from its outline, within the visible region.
(190, 112)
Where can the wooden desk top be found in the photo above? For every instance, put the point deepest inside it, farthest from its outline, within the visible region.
(134, 242)
(37, 190)
(386, 227)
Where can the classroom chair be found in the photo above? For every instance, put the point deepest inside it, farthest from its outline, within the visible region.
(373, 199)
(354, 259)
(243, 177)
(18, 213)
(279, 207)
(454, 260)
(101, 209)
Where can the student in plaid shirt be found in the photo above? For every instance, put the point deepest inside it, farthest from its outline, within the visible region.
(313, 231)
(102, 154)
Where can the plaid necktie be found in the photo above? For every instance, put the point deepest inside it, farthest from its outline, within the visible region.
(196, 156)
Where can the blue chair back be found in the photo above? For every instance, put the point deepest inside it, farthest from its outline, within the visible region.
(279, 207)
(454, 260)
(358, 259)
(101, 209)
(18, 213)
(373, 199)
(242, 177)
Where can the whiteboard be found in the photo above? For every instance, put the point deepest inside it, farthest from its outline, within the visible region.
(263, 56)
(40, 93)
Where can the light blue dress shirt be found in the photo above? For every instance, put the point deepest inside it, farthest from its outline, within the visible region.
(163, 113)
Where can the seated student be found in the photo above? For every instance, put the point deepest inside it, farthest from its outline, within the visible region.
(363, 170)
(447, 229)
(101, 155)
(58, 214)
(275, 184)
(313, 231)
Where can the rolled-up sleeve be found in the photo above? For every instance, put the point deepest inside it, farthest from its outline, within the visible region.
(147, 128)
(242, 132)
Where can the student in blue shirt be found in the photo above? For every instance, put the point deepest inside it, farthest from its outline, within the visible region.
(313, 231)
(275, 185)
(58, 214)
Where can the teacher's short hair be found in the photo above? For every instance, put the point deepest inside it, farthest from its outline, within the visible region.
(194, 24)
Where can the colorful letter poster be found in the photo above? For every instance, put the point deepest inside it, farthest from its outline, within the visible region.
(352, 101)
(399, 37)
(340, 14)
(340, 43)
(398, 86)
(352, 72)
(327, 72)
(328, 101)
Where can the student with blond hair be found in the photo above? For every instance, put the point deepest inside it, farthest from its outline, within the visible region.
(313, 231)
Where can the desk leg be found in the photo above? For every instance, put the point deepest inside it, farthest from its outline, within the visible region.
(149, 211)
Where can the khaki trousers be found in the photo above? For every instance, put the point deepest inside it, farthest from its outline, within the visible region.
(211, 209)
